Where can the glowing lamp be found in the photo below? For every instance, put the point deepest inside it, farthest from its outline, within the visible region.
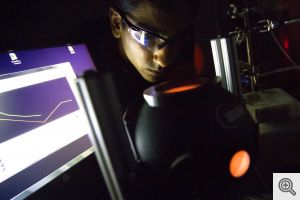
(182, 88)
(239, 164)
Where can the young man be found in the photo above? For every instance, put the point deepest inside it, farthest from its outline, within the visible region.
(155, 42)
(155, 37)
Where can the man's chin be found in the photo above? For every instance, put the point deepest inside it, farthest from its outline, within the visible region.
(151, 79)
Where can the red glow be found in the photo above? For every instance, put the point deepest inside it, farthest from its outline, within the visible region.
(286, 43)
(198, 60)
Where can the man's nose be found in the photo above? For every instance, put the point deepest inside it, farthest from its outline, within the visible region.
(160, 57)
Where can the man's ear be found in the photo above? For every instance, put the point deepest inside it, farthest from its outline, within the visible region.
(116, 23)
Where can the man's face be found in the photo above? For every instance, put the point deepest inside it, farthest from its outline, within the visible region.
(154, 62)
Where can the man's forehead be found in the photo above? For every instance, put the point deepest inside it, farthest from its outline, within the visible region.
(165, 22)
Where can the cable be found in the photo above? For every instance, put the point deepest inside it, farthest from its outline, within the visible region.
(280, 70)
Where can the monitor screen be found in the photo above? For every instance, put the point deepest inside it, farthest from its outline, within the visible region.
(43, 130)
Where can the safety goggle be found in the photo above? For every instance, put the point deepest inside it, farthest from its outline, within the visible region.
(147, 38)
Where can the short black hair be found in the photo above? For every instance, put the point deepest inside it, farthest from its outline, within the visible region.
(165, 5)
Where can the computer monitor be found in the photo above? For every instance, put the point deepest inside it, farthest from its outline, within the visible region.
(43, 128)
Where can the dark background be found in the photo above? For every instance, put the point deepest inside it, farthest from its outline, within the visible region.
(32, 23)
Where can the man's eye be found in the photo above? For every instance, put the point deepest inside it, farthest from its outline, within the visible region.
(162, 44)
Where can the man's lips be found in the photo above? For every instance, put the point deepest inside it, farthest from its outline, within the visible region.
(154, 72)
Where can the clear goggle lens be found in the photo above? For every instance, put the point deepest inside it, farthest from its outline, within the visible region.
(146, 39)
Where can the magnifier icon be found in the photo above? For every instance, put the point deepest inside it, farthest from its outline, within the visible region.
(286, 185)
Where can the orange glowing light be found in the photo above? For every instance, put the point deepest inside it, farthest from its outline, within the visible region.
(181, 88)
(239, 164)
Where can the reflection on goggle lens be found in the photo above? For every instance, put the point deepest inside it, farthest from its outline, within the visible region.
(144, 38)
